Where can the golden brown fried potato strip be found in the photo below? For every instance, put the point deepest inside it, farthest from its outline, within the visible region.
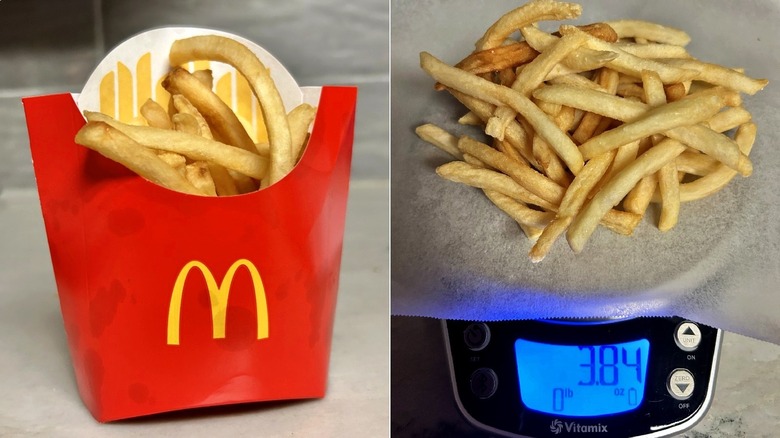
(232, 52)
(113, 144)
(653, 124)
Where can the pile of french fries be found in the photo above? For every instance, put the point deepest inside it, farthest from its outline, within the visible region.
(198, 145)
(591, 124)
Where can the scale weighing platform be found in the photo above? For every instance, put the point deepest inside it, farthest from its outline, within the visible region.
(641, 377)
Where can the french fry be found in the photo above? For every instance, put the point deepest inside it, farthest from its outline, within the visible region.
(694, 163)
(155, 115)
(459, 171)
(531, 12)
(595, 101)
(498, 58)
(531, 180)
(440, 138)
(299, 119)
(718, 75)
(582, 59)
(474, 161)
(602, 31)
(621, 222)
(225, 183)
(630, 90)
(655, 95)
(506, 77)
(531, 233)
(729, 119)
(470, 119)
(514, 132)
(497, 95)
(507, 149)
(549, 235)
(608, 79)
(575, 80)
(574, 198)
(699, 137)
(715, 144)
(534, 72)
(242, 59)
(115, 145)
(520, 212)
(669, 188)
(639, 198)
(183, 137)
(185, 123)
(221, 119)
(516, 54)
(184, 106)
(649, 31)
(577, 193)
(633, 65)
(717, 180)
(174, 160)
(497, 124)
(206, 77)
(192, 146)
(675, 92)
(668, 182)
(623, 156)
(549, 162)
(684, 112)
(565, 118)
(616, 189)
(551, 109)
(653, 123)
(199, 176)
(654, 51)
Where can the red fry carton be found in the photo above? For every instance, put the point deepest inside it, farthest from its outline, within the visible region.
(172, 301)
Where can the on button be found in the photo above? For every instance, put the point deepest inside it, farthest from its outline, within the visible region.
(687, 336)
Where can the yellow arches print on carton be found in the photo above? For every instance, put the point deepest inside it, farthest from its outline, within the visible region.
(122, 92)
(218, 297)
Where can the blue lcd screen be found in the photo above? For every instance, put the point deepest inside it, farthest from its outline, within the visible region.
(582, 380)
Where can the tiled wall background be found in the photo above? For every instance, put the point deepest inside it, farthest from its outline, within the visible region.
(51, 46)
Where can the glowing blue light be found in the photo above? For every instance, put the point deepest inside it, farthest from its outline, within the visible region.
(582, 380)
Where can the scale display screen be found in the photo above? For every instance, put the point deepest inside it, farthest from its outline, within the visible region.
(582, 380)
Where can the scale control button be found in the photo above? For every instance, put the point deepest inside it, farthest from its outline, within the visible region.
(680, 384)
(687, 336)
(484, 383)
(476, 336)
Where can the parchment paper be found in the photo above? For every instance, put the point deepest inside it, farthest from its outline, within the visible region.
(454, 255)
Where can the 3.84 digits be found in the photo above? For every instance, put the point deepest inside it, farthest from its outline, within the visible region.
(582, 380)
(602, 364)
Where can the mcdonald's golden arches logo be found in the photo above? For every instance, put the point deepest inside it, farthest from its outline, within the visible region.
(218, 297)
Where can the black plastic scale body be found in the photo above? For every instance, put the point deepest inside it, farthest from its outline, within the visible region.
(641, 377)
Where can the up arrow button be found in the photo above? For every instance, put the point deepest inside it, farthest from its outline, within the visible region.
(687, 336)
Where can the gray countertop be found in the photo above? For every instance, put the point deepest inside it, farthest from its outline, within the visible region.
(39, 389)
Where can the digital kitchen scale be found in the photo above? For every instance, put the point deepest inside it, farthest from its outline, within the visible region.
(641, 377)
